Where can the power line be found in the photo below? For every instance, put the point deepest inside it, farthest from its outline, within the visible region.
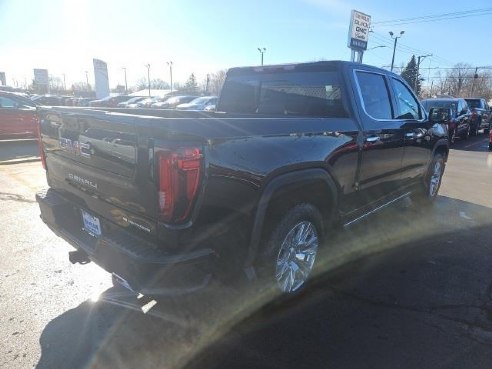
(436, 17)
(405, 48)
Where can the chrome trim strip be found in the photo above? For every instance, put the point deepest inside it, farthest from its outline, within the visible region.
(376, 209)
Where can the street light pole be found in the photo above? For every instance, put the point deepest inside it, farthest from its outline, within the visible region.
(170, 63)
(87, 80)
(64, 83)
(262, 51)
(148, 76)
(394, 47)
(126, 84)
(420, 58)
(372, 48)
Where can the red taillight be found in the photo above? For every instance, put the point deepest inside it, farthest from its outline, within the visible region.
(42, 155)
(179, 177)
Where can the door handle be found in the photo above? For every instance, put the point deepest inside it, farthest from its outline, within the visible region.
(372, 139)
(414, 135)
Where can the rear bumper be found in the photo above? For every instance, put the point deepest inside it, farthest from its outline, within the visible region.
(145, 265)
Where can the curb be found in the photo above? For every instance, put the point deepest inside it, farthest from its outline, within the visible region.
(20, 161)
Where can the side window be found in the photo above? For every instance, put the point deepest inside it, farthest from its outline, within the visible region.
(375, 95)
(408, 106)
(7, 103)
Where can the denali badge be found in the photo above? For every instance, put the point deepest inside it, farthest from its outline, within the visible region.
(75, 147)
(82, 181)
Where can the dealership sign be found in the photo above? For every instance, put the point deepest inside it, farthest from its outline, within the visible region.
(101, 78)
(41, 76)
(358, 36)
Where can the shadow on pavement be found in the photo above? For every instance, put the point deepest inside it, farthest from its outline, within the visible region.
(408, 288)
(18, 150)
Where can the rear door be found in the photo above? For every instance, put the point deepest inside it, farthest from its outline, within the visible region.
(415, 127)
(382, 151)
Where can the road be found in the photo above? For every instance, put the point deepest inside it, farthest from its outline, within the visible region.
(406, 288)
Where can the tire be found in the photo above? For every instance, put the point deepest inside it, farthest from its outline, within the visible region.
(452, 136)
(431, 182)
(476, 127)
(490, 146)
(291, 249)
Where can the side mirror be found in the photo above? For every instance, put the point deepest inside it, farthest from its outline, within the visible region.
(440, 115)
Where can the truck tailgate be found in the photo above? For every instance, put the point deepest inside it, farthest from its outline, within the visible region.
(99, 162)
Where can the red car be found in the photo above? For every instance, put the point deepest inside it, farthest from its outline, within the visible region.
(18, 117)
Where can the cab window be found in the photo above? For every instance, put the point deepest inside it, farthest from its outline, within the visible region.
(375, 96)
(407, 105)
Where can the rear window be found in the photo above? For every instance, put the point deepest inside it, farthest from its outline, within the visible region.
(428, 104)
(300, 94)
(474, 103)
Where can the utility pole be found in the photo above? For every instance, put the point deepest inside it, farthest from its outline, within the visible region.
(262, 51)
(394, 47)
(170, 63)
(64, 83)
(126, 84)
(208, 81)
(148, 76)
(420, 58)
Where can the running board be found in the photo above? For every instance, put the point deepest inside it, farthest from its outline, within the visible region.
(375, 210)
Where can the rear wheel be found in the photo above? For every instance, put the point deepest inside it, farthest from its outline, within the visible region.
(292, 247)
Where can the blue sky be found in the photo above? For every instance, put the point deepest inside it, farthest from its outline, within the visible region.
(203, 37)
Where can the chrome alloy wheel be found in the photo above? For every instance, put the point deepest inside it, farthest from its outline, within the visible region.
(435, 179)
(296, 256)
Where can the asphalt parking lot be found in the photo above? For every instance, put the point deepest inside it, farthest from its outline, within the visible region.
(406, 288)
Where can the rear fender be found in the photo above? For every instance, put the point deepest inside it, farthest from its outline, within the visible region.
(298, 178)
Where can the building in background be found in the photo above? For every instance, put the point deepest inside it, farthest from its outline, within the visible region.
(101, 78)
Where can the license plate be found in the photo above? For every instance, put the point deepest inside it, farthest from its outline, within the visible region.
(91, 224)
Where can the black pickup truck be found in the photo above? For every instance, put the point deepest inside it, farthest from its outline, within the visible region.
(165, 200)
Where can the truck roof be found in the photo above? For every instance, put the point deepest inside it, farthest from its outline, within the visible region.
(319, 66)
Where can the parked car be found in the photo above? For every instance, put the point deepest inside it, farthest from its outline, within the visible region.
(146, 102)
(83, 101)
(18, 117)
(481, 117)
(174, 101)
(459, 121)
(133, 100)
(490, 139)
(199, 103)
(48, 100)
(255, 189)
(109, 101)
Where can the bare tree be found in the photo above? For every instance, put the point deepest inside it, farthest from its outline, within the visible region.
(216, 81)
(157, 84)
